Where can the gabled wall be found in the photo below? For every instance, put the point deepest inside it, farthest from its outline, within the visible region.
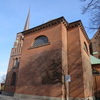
(40, 71)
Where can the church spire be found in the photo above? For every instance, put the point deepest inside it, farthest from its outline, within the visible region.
(26, 27)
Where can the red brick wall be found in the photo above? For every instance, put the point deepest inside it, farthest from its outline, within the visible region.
(75, 63)
(96, 67)
(79, 65)
(40, 71)
(8, 86)
(86, 65)
(15, 53)
(96, 80)
(96, 83)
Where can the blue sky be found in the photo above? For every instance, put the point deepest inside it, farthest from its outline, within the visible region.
(13, 15)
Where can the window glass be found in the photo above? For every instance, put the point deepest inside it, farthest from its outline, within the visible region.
(85, 47)
(40, 40)
(16, 62)
(95, 71)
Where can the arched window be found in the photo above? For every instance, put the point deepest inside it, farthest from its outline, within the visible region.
(95, 71)
(13, 79)
(40, 40)
(20, 38)
(85, 47)
(16, 63)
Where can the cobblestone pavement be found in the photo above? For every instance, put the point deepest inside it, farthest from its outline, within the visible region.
(4, 97)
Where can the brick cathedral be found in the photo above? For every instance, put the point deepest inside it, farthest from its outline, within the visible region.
(41, 58)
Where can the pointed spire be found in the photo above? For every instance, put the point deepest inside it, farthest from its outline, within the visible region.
(26, 27)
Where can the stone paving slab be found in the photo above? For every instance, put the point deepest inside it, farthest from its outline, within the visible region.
(4, 97)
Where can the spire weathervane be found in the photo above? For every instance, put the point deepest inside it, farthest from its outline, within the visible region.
(26, 27)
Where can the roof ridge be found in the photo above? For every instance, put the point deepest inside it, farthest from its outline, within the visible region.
(47, 24)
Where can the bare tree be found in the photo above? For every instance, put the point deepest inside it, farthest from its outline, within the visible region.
(3, 79)
(92, 7)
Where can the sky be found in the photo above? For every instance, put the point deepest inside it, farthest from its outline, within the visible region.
(13, 14)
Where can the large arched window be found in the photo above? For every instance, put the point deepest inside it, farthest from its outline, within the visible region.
(13, 79)
(40, 40)
(94, 71)
(85, 47)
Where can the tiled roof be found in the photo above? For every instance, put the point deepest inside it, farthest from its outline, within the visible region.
(94, 60)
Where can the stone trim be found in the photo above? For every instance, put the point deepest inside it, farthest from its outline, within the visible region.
(49, 98)
(76, 24)
(33, 47)
(7, 93)
(88, 98)
(18, 34)
(96, 74)
(34, 97)
(45, 25)
(55, 22)
(15, 55)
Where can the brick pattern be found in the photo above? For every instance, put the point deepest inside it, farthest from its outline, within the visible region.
(41, 70)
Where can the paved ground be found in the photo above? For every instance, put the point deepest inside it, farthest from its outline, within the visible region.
(4, 97)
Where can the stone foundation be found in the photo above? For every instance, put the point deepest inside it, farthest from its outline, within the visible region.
(8, 93)
(34, 97)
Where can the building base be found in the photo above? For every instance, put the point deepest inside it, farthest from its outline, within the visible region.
(7, 93)
(49, 98)
(34, 97)
(75, 98)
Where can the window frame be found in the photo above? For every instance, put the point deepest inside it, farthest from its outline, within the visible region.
(85, 47)
(16, 63)
(97, 72)
(13, 79)
(44, 44)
